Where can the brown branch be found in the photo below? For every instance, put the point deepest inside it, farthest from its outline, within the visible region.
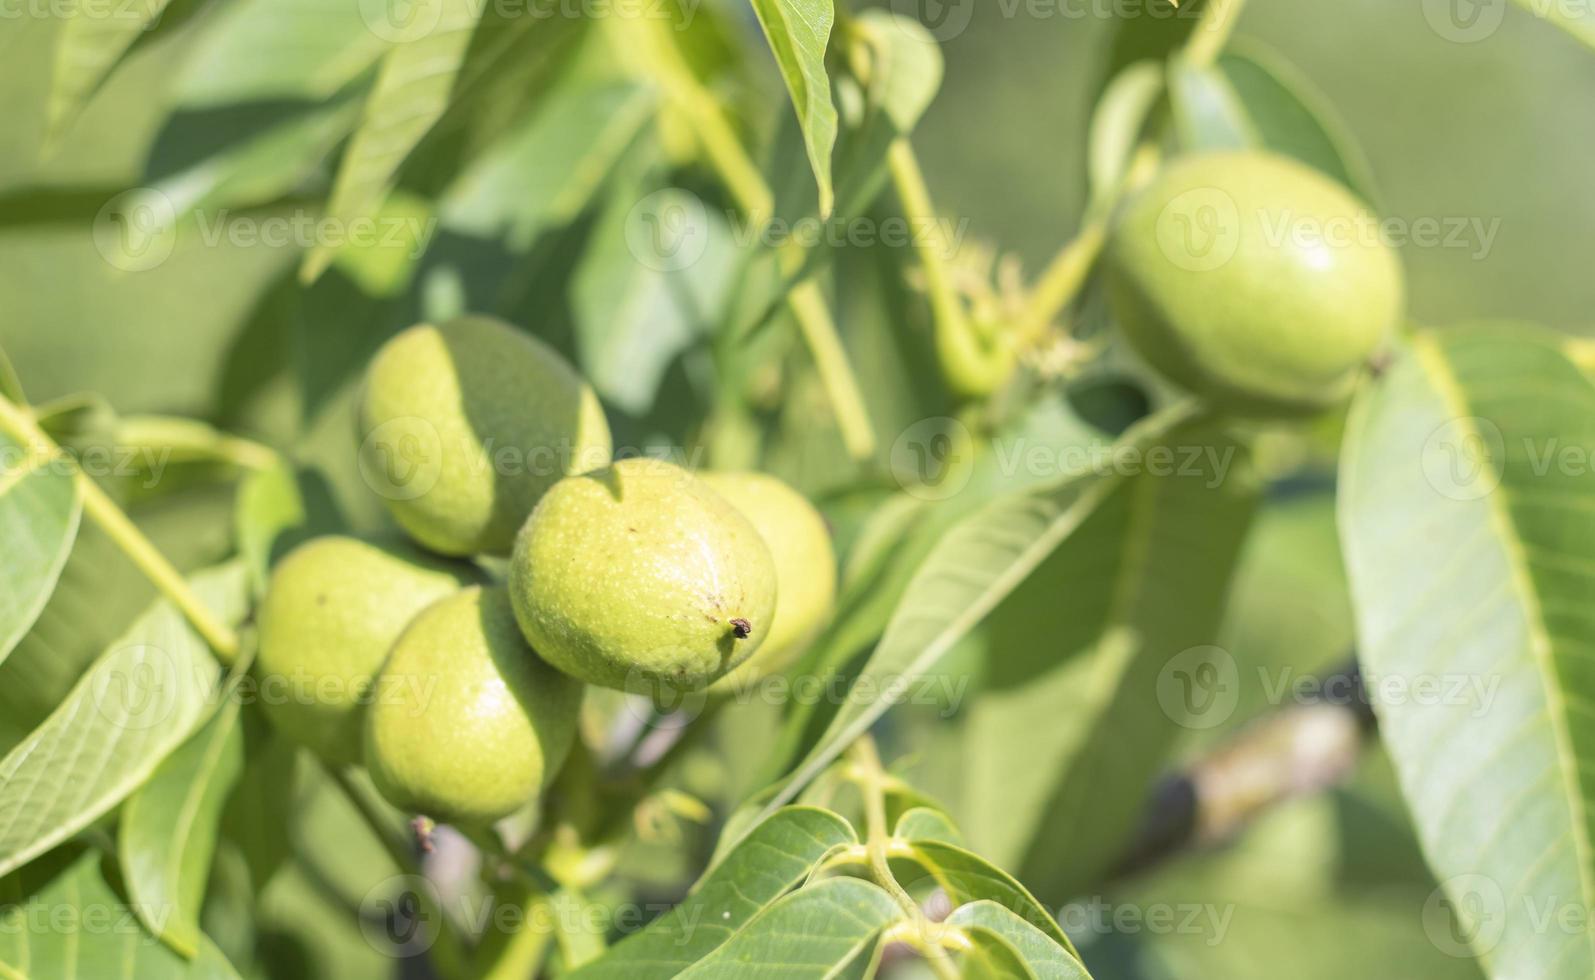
(1302, 749)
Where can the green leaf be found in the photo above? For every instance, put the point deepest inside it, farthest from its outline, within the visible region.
(1045, 959)
(968, 574)
(655, 280)
(91, 41)
(1118, 122)
(967, 877)
(259, 815)
(63, 918)
(411, 92)
(774, 857)
(10, 384)
(1478, 431)
(548, 170)
(167, 834)
(989, 956)
(1253, 98)
(277, 508)
(798, 31)
(40, 506)
(1577, 19)
(815, 932)
(924, 824)
(579, 944)
(1081, 702)
(138, 702)
(262, 51)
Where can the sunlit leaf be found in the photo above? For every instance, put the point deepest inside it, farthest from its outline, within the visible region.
(40, 506)
(92, 39)
(816, 932)
(138, 702)
(1468, 525)
(1045, 959)
(798, 32)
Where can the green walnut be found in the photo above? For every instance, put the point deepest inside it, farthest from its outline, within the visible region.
(805, 568)
(641, 578)
(1254, 281)
(468, 725)
(465, 425)
(333, 607)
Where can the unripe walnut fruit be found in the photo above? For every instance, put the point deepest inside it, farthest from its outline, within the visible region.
(468, 725)
(639, 577)
(805, 568)
(1254, 281)
(464, 426)
(333, 607)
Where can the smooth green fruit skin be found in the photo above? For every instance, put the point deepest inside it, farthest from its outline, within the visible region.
(805, 568)
(632, 578)
(469, 725)
(466, 425)
(333, 607)
(1282, 324)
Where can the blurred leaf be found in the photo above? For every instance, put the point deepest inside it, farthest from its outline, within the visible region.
(139, 701)
(773, 857)
(40, 506)
(278, 50)
(1577, 19)
(821, 931)
(971, 569)
(1253, 99)
(10, 384)
(988, 956)
(91, 41)
(798, 32)
(1472, 430)
(278, 507)
(1117, 124)
(411, 92)
(654, 281)
(1043, 956)
(547, 171)
(925, 824)
(167, 834)
(63, 918)
(579, 943)
(259, 815)
(966, 877)
(1081, 692)
(1150, 33)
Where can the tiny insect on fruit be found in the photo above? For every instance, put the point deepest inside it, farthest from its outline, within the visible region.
(640, 577)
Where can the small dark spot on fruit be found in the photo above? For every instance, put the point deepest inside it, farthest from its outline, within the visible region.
(321, 600)
(742, 628)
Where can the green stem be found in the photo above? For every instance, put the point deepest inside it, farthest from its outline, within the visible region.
(871, 779)
(1066, 275)
(120, 528)
(1218, 24)
(973, 365)
(753, 196)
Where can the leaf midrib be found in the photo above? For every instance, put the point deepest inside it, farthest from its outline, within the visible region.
(1455, 399)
